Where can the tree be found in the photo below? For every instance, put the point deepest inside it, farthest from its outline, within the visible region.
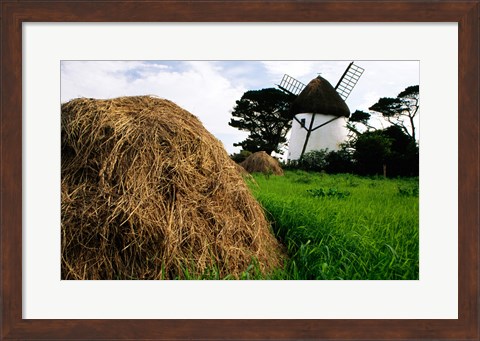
(339, 161)
(403, 159)
(391, 148)
(372, 151)
(358, 116)
(396, 110)
(265, 114)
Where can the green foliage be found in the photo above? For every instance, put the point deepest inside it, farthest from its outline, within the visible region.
(314, 160)
(404, 154)
(331, 193)
(340, 161)
(359, 116)
(332, 162)
(404, 106)
(408, 191)
(391, 147)
(265, 114)
(388, 107)
(372, 233)
(410, 92)
(372, 150)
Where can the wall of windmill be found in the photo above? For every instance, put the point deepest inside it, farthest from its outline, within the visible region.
(329, 136)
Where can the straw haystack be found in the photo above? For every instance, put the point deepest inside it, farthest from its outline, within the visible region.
(263, 163)
(320, 97)
(149, 193)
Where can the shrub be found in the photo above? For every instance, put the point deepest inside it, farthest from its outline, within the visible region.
(340, 161)
(314, 160)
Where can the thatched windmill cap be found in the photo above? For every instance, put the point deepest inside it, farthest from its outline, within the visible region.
(320, 97)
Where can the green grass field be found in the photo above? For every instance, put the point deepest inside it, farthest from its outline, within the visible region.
(343, 226)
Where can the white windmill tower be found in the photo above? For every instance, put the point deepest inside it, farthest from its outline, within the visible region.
(319, 111)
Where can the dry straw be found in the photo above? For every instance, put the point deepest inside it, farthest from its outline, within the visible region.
(261, 162)
(149, 193)
(320, 97)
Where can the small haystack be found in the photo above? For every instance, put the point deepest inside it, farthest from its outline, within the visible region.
(149, 193)
(263, 163)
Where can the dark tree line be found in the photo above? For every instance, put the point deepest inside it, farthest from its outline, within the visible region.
(389, 151)
(392, 151)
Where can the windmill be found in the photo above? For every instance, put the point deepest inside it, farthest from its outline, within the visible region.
(319, 111)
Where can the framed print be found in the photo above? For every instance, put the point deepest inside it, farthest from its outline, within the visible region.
(49, 50)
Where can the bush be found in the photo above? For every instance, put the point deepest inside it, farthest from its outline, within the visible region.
(339, 162)
(314, 160)
(403, 159)
(323, 160)
(390, 147)
(372, 150)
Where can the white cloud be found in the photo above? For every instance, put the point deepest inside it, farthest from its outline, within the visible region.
(305, 71)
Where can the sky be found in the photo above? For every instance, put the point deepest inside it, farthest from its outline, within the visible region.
(209, 89)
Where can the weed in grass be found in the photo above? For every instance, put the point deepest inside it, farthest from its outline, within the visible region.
(351, 183)
(303, 180)
(408, 191)
(331, 192)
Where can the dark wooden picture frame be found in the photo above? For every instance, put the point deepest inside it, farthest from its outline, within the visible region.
(14, 13)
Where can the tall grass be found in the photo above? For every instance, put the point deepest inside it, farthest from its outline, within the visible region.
(343, 226)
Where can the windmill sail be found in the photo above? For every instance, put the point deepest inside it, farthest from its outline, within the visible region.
(290, 85)
(348, 81)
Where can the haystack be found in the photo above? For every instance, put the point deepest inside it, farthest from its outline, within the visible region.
(263, 163)
(149, 193)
